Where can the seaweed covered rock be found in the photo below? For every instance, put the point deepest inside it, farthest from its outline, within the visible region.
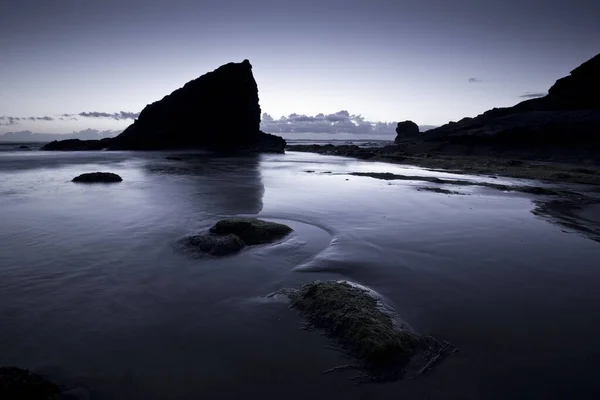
(20, 384)
(98, 177)
(366, 328)
(216, 245)
(229, 236)
(251, 231)
(355, 317)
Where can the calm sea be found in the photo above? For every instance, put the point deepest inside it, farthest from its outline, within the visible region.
(96, 294)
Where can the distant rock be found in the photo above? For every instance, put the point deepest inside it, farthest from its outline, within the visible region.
(77, 145)
(229, 236)
(406, 129)
(17, 384)
(35, 137)
(98, 177)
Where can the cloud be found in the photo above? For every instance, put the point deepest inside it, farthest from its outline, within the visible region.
(339, 122)
(121, 115)
(8, 120)
(530, 95)
(39, 119)
(475, 80)
(118, 116)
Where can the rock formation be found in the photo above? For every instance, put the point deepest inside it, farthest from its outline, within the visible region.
(566, 119)
(77, 145)
(217, 111)
(406, 129)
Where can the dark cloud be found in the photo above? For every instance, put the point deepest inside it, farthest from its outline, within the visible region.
(475, 80)
(39, 119)
(530, 95)
(8, 120)
(339, 116)
(121, 115)
(339, 122)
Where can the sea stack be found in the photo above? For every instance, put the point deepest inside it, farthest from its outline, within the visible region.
(406, 129)
(218, 111)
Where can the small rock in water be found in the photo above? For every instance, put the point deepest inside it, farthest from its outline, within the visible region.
(216, 245)
(229, 236)
(98, 177)
(356, 318)
(252, 231)
(20, 384)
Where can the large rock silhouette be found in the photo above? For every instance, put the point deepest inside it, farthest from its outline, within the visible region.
(406, 129)
(564, 124)
(217, 111)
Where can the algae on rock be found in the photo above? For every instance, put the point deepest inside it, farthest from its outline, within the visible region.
(357, 320)
(230, 235)
(365, 328)
(252, 231)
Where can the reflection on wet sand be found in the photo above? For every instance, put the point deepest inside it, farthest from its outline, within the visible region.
(223, 185)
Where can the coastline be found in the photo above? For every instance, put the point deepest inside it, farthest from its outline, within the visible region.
(550, 171)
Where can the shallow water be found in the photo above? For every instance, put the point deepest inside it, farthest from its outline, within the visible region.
(96, 294)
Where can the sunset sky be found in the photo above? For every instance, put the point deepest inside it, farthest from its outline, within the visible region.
(430, 61)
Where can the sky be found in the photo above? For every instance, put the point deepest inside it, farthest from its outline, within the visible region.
(96, 64)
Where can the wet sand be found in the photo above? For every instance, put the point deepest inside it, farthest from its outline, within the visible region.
(575, 208)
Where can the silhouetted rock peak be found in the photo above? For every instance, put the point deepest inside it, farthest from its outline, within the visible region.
(217, 111)
(406, 129)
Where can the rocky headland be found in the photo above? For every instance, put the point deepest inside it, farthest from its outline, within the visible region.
(554, 138)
